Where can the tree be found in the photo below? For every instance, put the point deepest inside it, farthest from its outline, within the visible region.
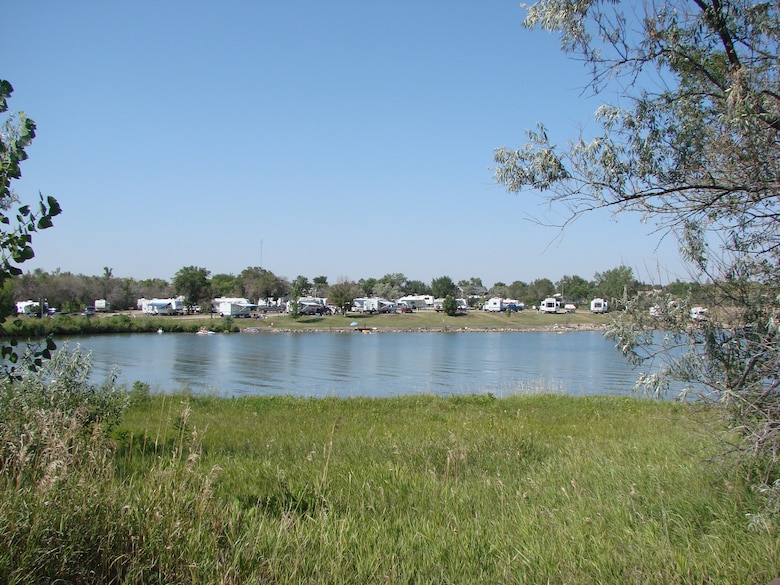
(449, 305)
(192, 282)
(443, 286)
(226, 285)
(616, 284)
(298, 288)
(18, 226)
(691, 144)
(260, 283)
(575, 288)
(416, 287)
(343, 293)
(367, 285)
(538, 290)
(320, 284)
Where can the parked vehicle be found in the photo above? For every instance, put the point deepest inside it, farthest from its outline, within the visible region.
(373, 305)
(494, 305)
(28, 308)
(308, 308)
(699, 313)
(161, 306)
(598, 305)
(550, 305)
(102, 306)
(232, 307)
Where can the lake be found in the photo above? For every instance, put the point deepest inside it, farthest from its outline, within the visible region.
(354, 364)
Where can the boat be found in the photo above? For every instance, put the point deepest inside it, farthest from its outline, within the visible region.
(204, 331)
(365, 329)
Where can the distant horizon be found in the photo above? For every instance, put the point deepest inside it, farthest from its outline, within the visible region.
(327, 139)
(378, 277)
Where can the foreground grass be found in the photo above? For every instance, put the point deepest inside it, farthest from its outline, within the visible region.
(540, 489)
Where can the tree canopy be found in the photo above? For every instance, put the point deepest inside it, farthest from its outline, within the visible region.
(689, 142)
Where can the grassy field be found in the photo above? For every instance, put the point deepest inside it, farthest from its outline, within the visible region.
(535, 489)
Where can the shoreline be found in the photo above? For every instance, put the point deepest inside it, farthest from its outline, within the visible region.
(552, 328)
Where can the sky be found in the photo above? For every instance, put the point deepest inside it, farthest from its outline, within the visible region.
(346, 139)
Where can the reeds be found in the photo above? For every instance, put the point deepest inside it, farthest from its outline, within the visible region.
(417, 489)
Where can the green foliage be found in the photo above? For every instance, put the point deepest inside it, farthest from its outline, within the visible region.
(193, 283)
(18, 226)
(467, 489)
(690, 144)
(443, 286)
(342, 294)
(616, 284)
(449, 305)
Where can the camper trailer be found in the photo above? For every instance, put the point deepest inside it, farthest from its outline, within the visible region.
(494, 305)
(232, 307)
(162, 306)
(28, 308)
(417, 302)
(598, 306)
(373, 305)
(461, 306)
(102, 306)
(550, 305)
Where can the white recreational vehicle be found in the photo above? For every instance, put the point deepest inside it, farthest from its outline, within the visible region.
(494, 305)
(162, 306)
(550, 305)
(598, 306)
(232, 307)
(102, 306)
(461, 306)
(373, 305)
(28, 308)
(417, 302)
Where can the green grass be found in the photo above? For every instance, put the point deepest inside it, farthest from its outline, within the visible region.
(540, 489)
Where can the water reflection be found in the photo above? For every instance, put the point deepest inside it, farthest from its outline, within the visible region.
(325, 364)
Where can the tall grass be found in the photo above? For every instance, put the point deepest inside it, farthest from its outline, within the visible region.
(418, 489)
(470, 489)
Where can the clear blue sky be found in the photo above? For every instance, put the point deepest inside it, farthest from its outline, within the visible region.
(345, 139)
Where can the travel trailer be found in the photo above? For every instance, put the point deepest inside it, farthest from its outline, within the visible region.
(417, 302)
(28, 308)
(162, 306)
(232, 307)
(461, 306)
(550, 305)
(494, 305)
(373, 305)
(598, 306)
(102, 305)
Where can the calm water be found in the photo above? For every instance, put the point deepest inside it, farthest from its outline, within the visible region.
(353, 364)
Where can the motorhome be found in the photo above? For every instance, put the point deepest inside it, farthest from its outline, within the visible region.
(598, 305)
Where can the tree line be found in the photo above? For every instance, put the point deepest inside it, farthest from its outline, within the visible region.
(70, 292)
